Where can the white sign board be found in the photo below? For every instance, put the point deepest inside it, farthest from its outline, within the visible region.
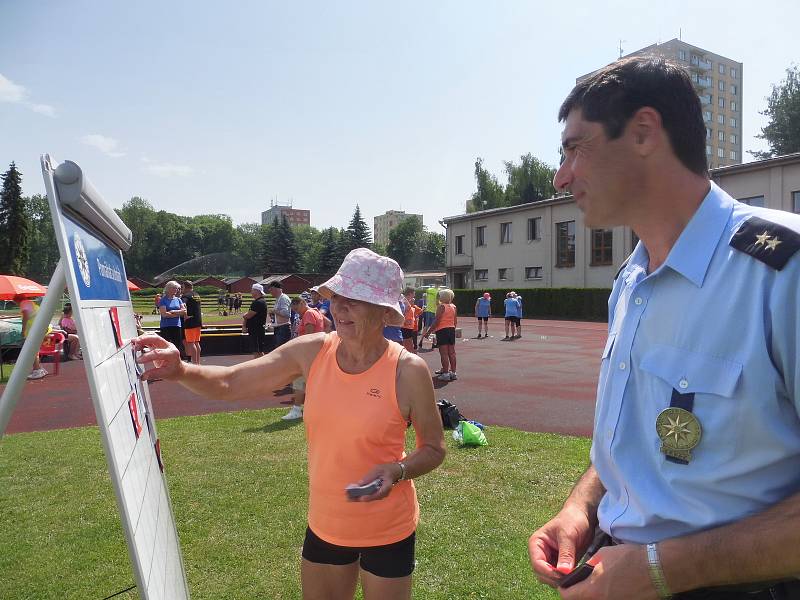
(95, 275)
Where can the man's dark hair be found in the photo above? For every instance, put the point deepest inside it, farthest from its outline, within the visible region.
(188, 284)
(614, 93)
(276, 284)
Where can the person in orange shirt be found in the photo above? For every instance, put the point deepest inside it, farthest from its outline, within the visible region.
(311, 321)
(409, 330)
(444, 325)
(362, 390)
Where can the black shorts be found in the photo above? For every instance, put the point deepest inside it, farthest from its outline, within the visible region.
(484, 319)
(258, 339)
(409, 334)
(392, 560)
(514, 320)
(446, 337)
(174, 335)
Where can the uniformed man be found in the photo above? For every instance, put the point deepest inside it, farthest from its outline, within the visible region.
(694, 485)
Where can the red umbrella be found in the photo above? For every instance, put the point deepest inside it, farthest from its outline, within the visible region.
(132, 286)
(11, 285)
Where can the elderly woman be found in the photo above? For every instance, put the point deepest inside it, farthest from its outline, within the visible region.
(444, 325)
(171, 309)
(361, 392)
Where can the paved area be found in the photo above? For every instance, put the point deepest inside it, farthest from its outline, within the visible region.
(544, 381)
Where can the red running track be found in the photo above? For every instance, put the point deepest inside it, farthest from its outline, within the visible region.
(544, 381)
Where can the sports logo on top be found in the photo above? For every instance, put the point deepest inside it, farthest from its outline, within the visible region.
(83, 261)
(102, 272)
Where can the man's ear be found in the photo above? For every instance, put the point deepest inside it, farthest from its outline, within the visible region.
(647, 130)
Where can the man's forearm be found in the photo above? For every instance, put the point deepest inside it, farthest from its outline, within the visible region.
(587, 493)
(762, 547)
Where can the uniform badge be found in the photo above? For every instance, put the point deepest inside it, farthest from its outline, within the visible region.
(769, 242)
(679, 432)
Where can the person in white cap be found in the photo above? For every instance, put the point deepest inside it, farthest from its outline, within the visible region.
(361, 393)
(254, 320)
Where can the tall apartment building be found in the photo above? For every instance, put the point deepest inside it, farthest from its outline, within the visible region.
(386, 222)
(294, 216)
(718, 82)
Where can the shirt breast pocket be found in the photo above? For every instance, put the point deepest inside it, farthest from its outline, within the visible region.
(712, 380)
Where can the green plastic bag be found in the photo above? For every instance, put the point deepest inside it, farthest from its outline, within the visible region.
(471, 435)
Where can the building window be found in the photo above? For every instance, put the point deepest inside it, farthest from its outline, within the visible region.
(753, 201)
(721, 102)
(708, 133)
(601, 246)
(721, 70)
(733, 122)
(694, 59)
(533, 272)
(565, 244)
(721, 84)
(734, 89)
(721, 152)
(706, 115)
(721, 119)
(505, 274)
(733, 73)
(733, 154)
(481, 274)
(733, 138)
(708, 150)
(480, 235)
(796, 202)
(459, 244)
(534, 228)
(682, 54)
(505, 233)
(721, 135)
(733, 105)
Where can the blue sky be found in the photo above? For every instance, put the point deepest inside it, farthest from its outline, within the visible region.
(204, 107)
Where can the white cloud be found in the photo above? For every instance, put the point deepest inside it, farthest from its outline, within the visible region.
(44, 109)
(106, 145)
(18, 94)
(168, 169)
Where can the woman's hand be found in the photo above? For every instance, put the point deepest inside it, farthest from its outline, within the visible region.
(389, 473)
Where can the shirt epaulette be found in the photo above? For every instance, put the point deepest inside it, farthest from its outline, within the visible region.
(769, 242)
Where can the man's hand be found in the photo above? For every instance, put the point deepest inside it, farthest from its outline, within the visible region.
(620, 573)
(163, 356)
(556, 547)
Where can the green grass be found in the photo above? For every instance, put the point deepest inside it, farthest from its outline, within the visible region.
(238, 486)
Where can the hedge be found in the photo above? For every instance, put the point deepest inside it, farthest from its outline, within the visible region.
(580, 304)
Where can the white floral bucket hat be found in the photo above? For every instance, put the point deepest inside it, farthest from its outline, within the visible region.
(369, 277)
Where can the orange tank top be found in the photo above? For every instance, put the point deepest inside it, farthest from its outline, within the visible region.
(411, 317)
(352, 424)
(448, 318)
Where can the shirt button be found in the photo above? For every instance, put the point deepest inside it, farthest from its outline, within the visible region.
(622, 366)
(683, 384)
(638, 301)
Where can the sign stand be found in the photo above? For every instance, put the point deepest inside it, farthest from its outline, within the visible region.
(91, 238)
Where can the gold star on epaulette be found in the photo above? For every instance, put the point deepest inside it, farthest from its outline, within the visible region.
(762, 239)
(773, 243)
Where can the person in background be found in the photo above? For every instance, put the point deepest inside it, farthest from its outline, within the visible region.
(361, 393)
(221, 303)
(192, 323)
(511, 307)
(311, 321)
(28, 309)
(255, 320)
(282, 314)
(157, 303)
(431, 306)
(323, 305)
(172, 311)
(412, 312)
(483, 310)
(444, 326)
(67, 324)
(518, 298)
(693, 487)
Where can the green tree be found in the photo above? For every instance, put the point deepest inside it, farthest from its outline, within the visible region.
(42, 239)
(430, 252)
(782, 133)
(404, 241)
(308, 241)
(329, 254)
(14, 226)
(358, 233)
(528, 181)
(140, 217)
(280, 248)
(247, 247)
(489, 193)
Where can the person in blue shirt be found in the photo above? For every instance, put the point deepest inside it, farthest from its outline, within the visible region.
(511, 307)
(693, 490)
(483, 310)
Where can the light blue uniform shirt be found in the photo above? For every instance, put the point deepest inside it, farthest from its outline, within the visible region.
(719, 323)
(484, 307)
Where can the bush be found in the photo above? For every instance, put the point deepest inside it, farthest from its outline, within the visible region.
(580, 304)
